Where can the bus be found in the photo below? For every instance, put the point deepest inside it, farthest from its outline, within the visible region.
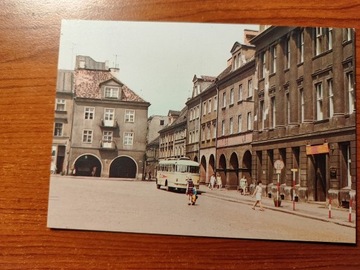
(173, 173)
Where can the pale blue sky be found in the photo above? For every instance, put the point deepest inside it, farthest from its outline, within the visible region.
(156, 60)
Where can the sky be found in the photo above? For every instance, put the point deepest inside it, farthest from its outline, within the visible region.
(157, 60)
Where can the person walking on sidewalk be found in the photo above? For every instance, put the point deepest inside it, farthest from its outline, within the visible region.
(257, 193)
(212, 181)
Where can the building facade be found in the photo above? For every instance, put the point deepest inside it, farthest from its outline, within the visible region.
(109, 124)
(305, 113)
(202, 102)
(62, 122)
(235, 117)
(154, 125)
(172, 140)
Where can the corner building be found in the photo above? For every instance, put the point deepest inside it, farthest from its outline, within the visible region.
(305, 113)
(109, 126)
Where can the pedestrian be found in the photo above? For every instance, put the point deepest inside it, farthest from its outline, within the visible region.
(194, 196)
(212, 181)
(257, 193)
(218, 180)
(93, 172)
(190, 190)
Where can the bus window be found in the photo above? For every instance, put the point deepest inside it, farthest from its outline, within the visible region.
(193, 169)
(181, 168)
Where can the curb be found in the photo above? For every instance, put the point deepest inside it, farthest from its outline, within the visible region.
(279, 209)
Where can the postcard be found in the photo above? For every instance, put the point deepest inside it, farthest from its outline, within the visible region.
(205, 129)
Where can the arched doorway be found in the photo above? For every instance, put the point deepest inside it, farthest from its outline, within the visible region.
(203, 170)
(247, 165)
(222, 169)
(123, 167)
(87, 165)
(211, 166)
(196, 159)
(233, 171)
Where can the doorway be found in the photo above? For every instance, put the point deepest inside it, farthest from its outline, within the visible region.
(320, 184)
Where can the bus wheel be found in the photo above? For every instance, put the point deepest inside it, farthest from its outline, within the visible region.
(157, 185)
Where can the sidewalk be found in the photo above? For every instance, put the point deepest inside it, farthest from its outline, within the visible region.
(313, 210)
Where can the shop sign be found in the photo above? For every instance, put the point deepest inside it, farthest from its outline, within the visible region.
(317, 149)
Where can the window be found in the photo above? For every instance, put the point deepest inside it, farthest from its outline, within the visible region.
(263, 65)
(319, 101)
(197, 111)
(58, 130)
(223, 127)
(215, 103)
(302, 106)
(240, 92)
(109, 116)
(231, 126)
(60, 104)
(288, 109)
(87, 136)
(323, 40)
(249, 121)
(214, 130)
(331, 98)
(204, 107)
(224, 100)
(351, 93)
(209, 106)
(318, 40)
(273, 59)
(301, 46)
(239, 123)
(250, 88)
(208, 135)
(346, 164)
(273, 112)
(329, 38)
(89, 113)
(107, 136)
(347, 34)
(203, 135)
(232, 96)
(262, 114)
(287, 53)
(162, 122)
(128, 138)
(129, 116)
(111, 92)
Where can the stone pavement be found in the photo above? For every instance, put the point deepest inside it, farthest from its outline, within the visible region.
(313, 210)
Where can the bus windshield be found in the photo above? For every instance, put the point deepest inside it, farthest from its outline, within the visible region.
(187, 169)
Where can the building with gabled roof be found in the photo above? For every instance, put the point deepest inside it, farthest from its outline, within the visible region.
(173, 136)
(109, 124)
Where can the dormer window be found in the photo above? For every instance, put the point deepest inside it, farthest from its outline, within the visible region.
(111, 92)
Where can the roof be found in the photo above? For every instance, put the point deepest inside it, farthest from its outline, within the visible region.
(178, 122)
(88, 85)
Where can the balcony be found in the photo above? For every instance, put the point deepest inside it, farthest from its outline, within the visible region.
(108, 145)
(112, 124)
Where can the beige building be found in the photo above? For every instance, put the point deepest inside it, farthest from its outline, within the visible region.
(235, 117)
(172, 141)
(109, 124)
(195, 128)
(154, 124)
